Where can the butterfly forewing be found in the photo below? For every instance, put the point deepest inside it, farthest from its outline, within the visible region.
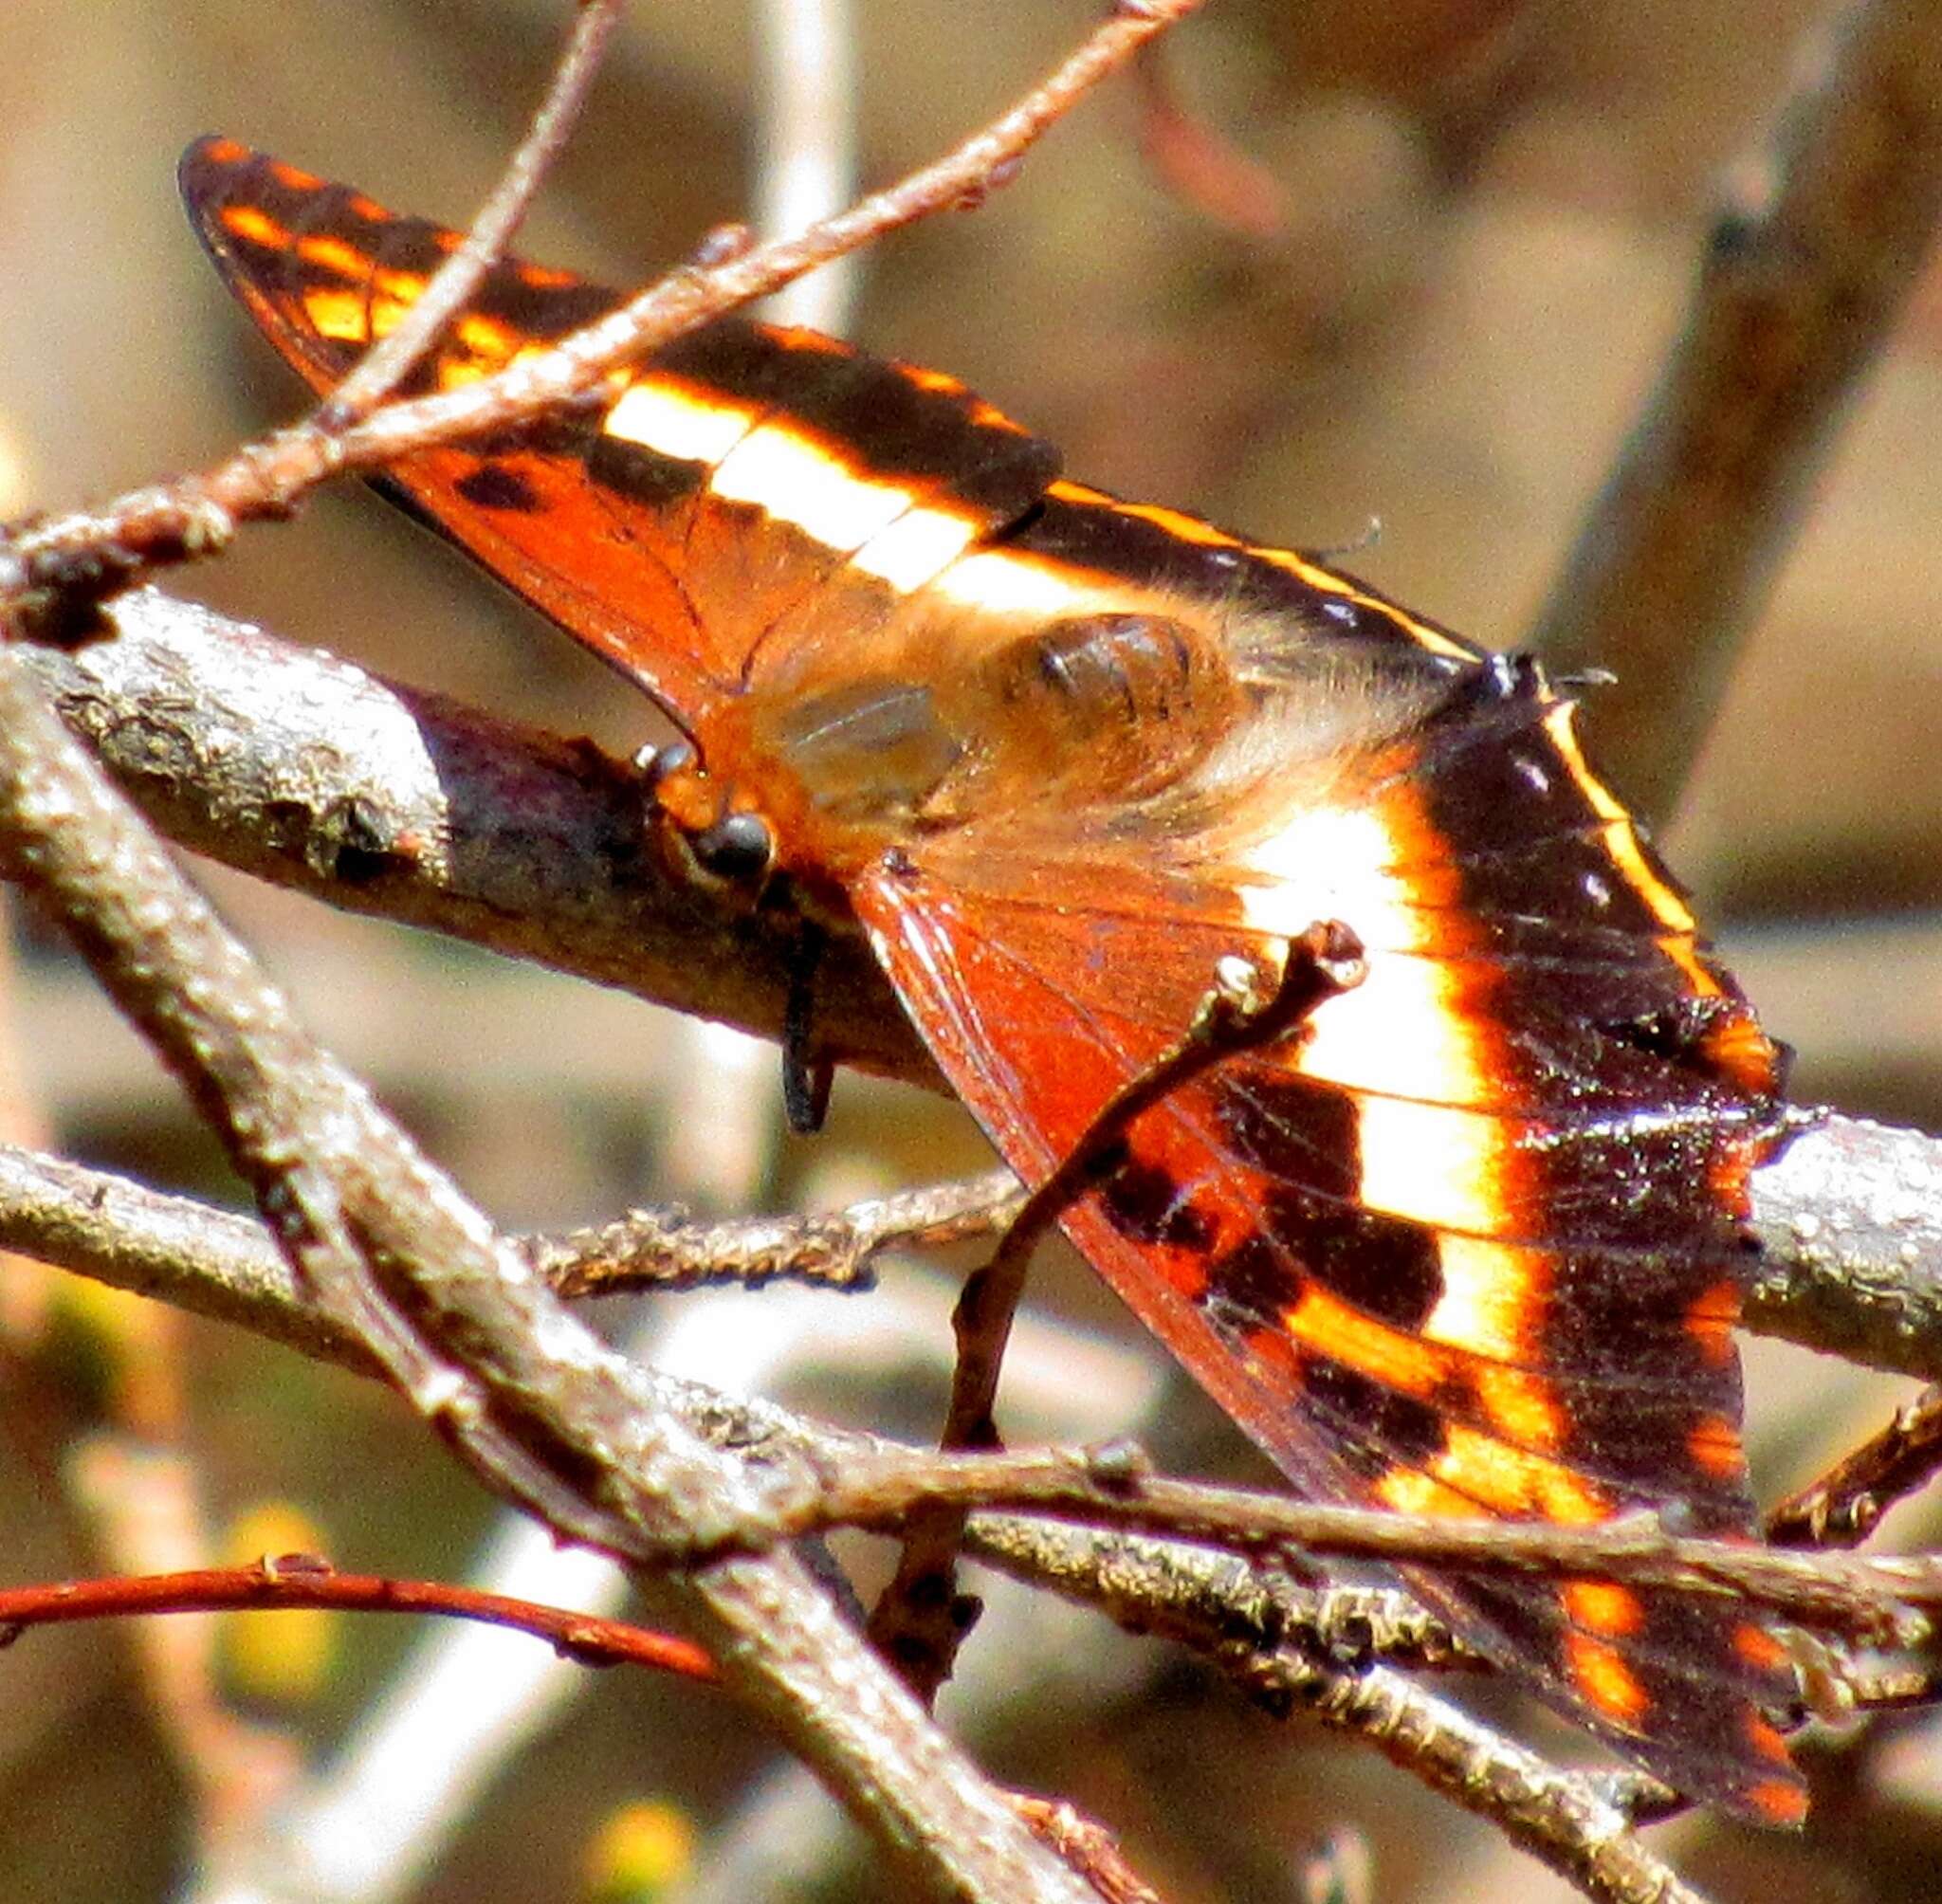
(1471, 1240)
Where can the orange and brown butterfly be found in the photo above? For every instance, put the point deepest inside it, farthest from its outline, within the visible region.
(1467, 1242)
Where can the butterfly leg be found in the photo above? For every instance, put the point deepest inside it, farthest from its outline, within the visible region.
(921, 1618)
(806, 1077)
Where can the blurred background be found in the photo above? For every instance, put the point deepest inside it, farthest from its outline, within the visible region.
(1490, 217)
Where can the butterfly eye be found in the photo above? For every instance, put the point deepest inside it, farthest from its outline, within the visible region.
(739, 848)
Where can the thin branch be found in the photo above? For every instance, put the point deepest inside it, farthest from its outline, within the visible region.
(1802, 277)
(1300, 1651)
(223, 1264)
(306, 1580)
(380, 371)
(50, 569)
(652, 1248)
(1846, 1505)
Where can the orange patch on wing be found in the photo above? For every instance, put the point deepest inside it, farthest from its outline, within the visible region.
(332, 254)
(1766, 1738)
(1515, 1483)
(1744, 1053)
(1521, 1404)
(1709, 1319)
(1602, 1606)
(1408, 1491)
(293, 179)
(989, 416)
(1604, 1680)
(1621, 842)
(405, 287)
(1778, 1802)
(1713, 1443)
(1759, 1648)
(1328, 1325)
(343, 317)
(255, 227)
(1188, 528)
(486, 337)
(224, 151)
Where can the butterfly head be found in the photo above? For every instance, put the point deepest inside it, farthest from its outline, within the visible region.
(705, 833)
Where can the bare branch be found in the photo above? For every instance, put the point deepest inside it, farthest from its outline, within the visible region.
(1802, 276)
(387, 363)
(50, 569)
(306, 1580)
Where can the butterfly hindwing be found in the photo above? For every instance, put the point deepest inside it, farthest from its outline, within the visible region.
(1488, 1270)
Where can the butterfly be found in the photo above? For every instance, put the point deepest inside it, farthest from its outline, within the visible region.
(1470, 1240)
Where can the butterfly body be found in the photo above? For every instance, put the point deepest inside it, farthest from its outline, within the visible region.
(1471, 1240)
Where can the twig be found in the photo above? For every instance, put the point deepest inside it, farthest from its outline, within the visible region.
(1106, 1487)
(1804, 273)
(306, 1580)
(1207, 172)
(51, 570)
(805, 165)
(919, 1619)
(384, 367)
(659, 1250)
(219, 1264)
(1846, 1505)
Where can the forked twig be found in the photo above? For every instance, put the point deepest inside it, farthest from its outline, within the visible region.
(49, 569)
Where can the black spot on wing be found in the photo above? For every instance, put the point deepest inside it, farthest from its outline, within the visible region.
(492, 486)
(1145, 1203)
(1381, 1429)
(644, 476)
(1303, 1136)
(1251, 1286)
(1291, 1128)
